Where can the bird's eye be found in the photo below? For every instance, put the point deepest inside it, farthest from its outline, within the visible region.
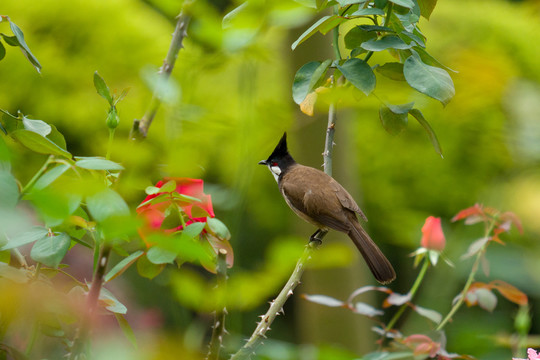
(274, 163)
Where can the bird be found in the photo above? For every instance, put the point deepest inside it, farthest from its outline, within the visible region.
(320, 200)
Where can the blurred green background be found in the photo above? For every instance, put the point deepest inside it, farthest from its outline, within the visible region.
(234, 102)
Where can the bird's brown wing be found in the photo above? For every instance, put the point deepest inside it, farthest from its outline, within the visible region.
(306, 190)
(346, 199)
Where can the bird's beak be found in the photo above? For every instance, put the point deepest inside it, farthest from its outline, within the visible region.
(262, 162)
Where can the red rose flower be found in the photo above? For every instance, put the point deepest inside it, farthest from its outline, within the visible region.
(432, 234)
(190, 198)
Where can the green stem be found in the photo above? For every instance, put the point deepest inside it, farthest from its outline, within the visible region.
(386, 22)
(335, 33)
(140, 127)
(412, 292)
(36, 177)
(461, 299)
(470, 279)
(109, 144)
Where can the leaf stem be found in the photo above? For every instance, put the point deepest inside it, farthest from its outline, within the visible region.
(386, 22)
(140, 127)
(36, 177)
(412, 292)
(109, 144)
(470, 279)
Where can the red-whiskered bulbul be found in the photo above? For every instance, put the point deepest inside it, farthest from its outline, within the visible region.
(320, 200)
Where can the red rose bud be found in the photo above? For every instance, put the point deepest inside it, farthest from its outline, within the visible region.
(432, 234)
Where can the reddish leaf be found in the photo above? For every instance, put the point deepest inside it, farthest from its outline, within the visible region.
(512, 218)
(510, 292)
(422, 344)
(476, 210)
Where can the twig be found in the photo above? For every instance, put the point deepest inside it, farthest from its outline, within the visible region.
(276, 306)
(140, 127)
(329, 143)
(219, 318)
(91, 303)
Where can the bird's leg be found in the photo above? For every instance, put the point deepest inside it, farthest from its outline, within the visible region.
(318, 236)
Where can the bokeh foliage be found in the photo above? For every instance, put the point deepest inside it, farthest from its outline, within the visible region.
(234, 101)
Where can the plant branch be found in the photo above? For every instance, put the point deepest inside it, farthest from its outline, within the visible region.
(335, 34)
(219, 318)
(276, 306)
(91, 303)
(36, 177)
(412, 292)
(140, 127)
(470, 279)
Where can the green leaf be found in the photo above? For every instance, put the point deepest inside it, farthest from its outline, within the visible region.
(393, 122)
(426, 7)
(356, 36)
(429, 80)
(38, 126)
(111, 302)
(50, 176)
(417, 114)
(387, 42)
(123, 265)
(151, 190)
(392, 70)
(147, 269)
(370, 28)
(102, 88)
(56, 137)
(126, 329)
(318, 74)
(157, 255)
(106, 204)
(381, 4)
(24, 47)
(409, 4)
(51, 250)
(343, 3)
(428, 313)
(2, 51)
(194, 229)
(169, 186)
(368, 11)
(219, 228)
(324, 25)
(38, 143)
(302, 81)
(359, 73)
(34, 234)
(9, 190)
(98, 164)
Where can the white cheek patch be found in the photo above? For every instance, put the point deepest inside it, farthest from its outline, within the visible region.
(275, 170)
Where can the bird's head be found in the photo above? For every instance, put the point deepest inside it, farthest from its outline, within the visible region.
(280, 159)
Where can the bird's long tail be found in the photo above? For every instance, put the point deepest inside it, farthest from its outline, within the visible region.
(375, 259)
